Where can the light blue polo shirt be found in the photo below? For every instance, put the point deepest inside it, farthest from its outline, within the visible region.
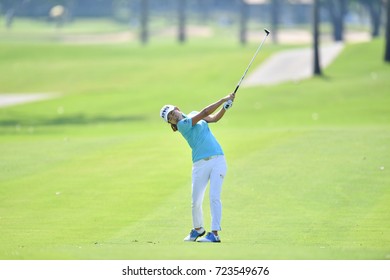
(199, 137)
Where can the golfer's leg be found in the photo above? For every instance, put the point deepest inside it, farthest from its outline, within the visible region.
(200, 177)
(216, 179)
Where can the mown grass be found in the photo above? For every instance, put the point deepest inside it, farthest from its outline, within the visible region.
(95, 174)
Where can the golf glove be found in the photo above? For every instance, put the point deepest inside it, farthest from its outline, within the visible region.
(228, 104)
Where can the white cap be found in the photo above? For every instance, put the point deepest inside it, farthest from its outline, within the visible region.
(165, 111)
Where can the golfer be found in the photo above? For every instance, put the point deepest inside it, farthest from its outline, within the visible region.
(208, 162)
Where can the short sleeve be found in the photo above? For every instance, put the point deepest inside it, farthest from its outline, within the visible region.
(184, 125)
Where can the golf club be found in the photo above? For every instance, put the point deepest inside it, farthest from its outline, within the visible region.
(258, 49)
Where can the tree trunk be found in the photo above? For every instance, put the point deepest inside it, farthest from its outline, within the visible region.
(337, 10)
(243, 22)
(374, 8)
(316, 22)
(11, 9)
(9, 18)
(275, 20)
(182, 21)
(387, 50)
(144, 21)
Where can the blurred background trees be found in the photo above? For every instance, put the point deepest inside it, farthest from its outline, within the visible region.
(240, 19)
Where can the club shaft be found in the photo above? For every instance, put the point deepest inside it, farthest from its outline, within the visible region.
(253, 58)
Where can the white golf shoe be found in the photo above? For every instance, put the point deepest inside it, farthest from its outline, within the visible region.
(210, 237)
(194, 234)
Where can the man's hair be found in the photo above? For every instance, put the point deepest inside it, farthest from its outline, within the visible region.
(174, 127)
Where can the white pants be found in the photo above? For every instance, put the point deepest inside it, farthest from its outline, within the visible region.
(203, 171)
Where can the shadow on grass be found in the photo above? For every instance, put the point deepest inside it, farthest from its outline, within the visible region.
(79, 119)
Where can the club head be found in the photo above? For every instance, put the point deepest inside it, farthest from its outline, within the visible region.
(267, 31)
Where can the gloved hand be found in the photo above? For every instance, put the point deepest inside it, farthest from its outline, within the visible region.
(228, 104)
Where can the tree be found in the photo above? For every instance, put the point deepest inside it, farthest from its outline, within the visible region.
(204, 10)
(316, 22)
(182, 20)
(387, 50)
(144, 21)
(275, 19)
(11, 7)
(243, 21)
(375, 9)
(337, 10)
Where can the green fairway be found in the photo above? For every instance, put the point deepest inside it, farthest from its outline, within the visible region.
(96, 174)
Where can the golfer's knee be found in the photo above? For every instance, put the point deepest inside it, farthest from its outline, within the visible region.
(215, 199)
(196, 204)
